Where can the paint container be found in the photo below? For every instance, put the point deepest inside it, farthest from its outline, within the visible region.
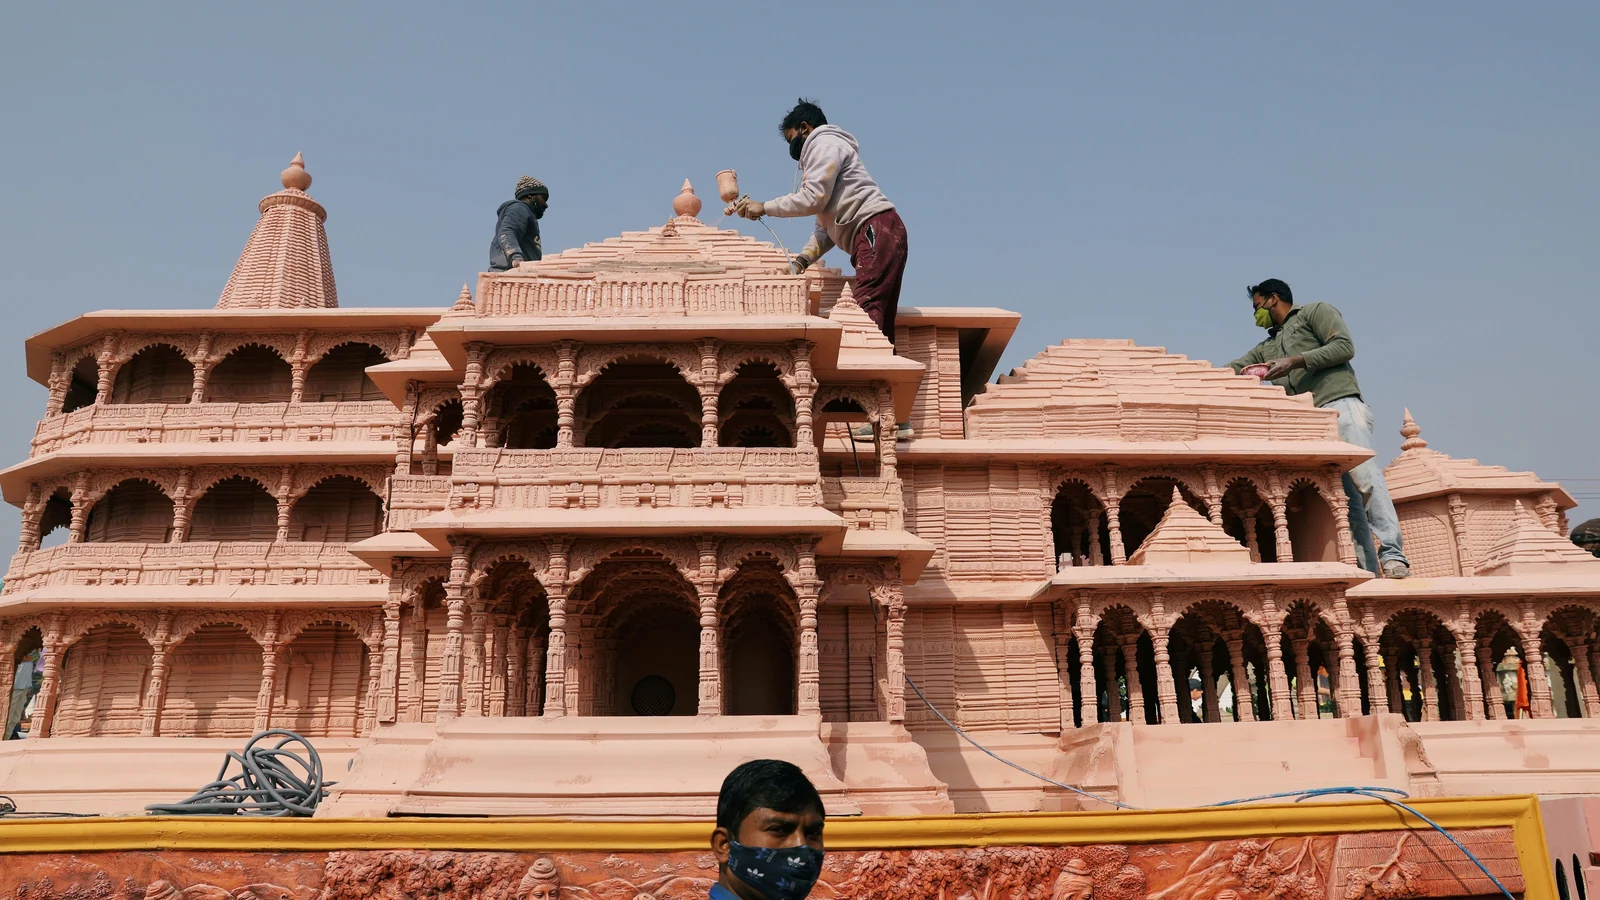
(728, 185)
(1259, 370)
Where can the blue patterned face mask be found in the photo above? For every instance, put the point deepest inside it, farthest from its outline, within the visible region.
(777, 874)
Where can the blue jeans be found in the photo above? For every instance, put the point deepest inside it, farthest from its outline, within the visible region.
(1372, 515)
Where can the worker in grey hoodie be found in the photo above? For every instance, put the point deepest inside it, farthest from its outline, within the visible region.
(851, 212)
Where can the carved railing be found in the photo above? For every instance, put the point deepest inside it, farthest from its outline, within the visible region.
(866, 503)
(198, 563)
(411, 497)
(590, 478)
(643, 294)
(203, 423)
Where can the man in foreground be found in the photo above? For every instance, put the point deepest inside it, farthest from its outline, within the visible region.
(516, 227)
(1308, 349)
(768, 840)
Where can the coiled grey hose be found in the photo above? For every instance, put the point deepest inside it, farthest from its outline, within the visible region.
(273, 780)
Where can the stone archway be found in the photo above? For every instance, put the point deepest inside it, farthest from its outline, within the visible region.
(760, 637)
(638, 646)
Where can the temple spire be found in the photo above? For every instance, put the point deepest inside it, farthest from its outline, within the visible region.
(285, 264)
(1412, 432)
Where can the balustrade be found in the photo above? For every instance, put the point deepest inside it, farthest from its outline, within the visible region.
(197, 563)
(204, 423)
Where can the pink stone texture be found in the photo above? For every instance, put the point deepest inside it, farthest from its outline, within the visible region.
(587, 535)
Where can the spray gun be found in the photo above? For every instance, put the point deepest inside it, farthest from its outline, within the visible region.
(728, 191)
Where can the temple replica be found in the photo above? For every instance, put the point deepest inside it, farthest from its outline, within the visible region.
(581, 541)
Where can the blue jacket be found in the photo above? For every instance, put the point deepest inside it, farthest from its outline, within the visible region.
(516, 236)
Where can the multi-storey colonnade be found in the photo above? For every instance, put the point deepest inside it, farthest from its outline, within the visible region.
(625, 481)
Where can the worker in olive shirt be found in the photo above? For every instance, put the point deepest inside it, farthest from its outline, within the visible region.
(1308, 349)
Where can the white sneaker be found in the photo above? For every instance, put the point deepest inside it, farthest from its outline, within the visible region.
(903, 432)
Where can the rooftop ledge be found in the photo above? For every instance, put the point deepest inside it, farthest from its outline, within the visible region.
(1103, 450)
(211, 596)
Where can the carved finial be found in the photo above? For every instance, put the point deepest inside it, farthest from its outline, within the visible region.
(1521, 515)
(1412, 432)
(846, 295)
(296, 178)
(1177, 496)
(464, 301)
(686, 203)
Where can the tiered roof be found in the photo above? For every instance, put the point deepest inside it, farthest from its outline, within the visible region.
(1184, 537)
(1419, 472)
(1119, 390)
(285, 264)
(1530, 548)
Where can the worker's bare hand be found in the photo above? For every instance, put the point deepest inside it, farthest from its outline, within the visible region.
(1281, 367)
(749, 209)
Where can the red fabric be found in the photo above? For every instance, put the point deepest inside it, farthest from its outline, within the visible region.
(1523, 706)
(879, 258)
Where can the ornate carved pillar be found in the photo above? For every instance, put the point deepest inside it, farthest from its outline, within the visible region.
(887, 460)
(534, 671)
(285, 502)
(1108, 665)
(182, 506)
(803, 390)
(1166, 685)
(892, 598)
(80, 507)
(1472, 687)
(405, 437)
(1251, 541)
(103, 362)
(477, 661)
(566, 391)
(1277, 678)
(419, 658)
(499, 657)
(808, 590)
(60, 379)
(1130, 663)
(1305, 682)
(202, 368)
(155, 695)
(555, 679)
(32, 512)
(1088, 691)
(1430, 683)
(368, 709)
(1349, 704)
(389, 672)
(705, 583)
(1343, 539)
(1279, 503)
(1493, 697)
(1397, 697)
(1061, 637)
(1096, 554)
(1377, 692)
(1114, 526)
(1213, 496)
(471, 396)
(455, 598)
(1591, 709)
(1210, 711)
(1548, 515)
(267, 692)
(44, 708)
(1543, 707)
(516, 671)
(1243, 703)
(297, 368)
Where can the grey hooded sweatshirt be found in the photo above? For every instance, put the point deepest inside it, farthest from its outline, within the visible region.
(834, 187)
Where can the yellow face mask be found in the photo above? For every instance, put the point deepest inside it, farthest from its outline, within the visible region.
(1263, 319)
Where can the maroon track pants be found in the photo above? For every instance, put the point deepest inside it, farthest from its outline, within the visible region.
(879, 258)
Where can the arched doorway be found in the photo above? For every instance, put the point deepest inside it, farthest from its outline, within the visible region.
(642, 648)
(156, 374)
(341, 375)
(134, 510)
(759, 641)
(235, 509)
(213, 682)
(250, 374)
(340, 509)
(104, 676)
(322, 681)
(639, 403)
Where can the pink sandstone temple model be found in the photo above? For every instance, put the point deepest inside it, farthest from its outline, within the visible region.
(580, 542)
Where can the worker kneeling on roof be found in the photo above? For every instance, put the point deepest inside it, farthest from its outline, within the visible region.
(851, 212)
(1308, 348)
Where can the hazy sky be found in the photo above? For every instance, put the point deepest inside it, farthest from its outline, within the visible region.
(1120, 170)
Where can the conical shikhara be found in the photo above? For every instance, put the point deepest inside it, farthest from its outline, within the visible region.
(466, 548)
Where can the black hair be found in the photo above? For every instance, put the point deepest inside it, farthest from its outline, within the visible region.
(805, 112)
(771, 783)
(1273, 286)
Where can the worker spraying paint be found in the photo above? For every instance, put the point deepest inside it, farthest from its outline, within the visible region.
(851, 213)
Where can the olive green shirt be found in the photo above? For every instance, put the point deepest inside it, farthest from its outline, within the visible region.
(1317, 332)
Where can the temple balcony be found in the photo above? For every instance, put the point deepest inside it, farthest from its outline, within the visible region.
(194, 564)
(213, 423)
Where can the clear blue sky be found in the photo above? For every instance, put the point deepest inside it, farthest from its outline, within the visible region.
(1115, 170)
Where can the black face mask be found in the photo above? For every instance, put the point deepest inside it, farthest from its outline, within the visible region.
(538, 210)
(795, 147)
